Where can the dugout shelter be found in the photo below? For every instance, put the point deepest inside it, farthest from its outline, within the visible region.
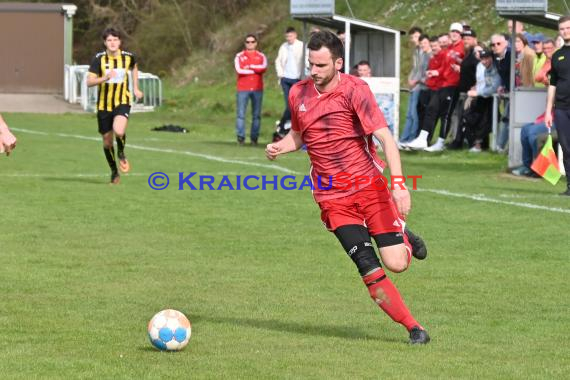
(37, 41)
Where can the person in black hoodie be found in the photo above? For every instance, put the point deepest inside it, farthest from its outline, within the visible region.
(466, 81)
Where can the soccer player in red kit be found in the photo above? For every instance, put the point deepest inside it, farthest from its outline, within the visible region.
(336, 115)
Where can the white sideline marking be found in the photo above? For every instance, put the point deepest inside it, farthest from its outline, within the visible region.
(30, 131)
(151, 149)
(484, 198)
(474, 197)
(78, 175)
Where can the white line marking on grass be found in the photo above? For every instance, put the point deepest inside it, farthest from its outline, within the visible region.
(30, 131)
(475, 197)
(78, 175)
(160, 150)
(484, 198)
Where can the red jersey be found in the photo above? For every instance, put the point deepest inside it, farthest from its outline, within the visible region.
(436, 62)
(250, 66)
(336, 127)
(455, 54)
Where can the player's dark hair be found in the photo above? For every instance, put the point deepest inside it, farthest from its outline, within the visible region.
(563, 19)
(423, 37)
(290, 29)
(330, 41)
(110, 32)
(434, 39)
(363, 63)
(415, 29)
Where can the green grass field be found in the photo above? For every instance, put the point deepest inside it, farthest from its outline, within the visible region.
(270, 293)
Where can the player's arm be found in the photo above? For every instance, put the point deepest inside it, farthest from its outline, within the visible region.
(400, 192)
(549, 105)
(7, 139)
(95, 80)
(290, 143)
(95, 75)
(138, 93)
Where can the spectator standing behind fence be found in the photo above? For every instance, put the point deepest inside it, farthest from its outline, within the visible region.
(524, 63)
(479, 115)
(424, 90)
(467, 79)
(559, 96)
(444, 41)
(443, 101)
(433, 82)
(541, 76)
(519, 29)
(412, 121)
(250, 65)
(502, 55)
(538, 42)
(289, 66)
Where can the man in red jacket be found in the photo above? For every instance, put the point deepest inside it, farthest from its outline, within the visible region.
(250, 64)
(443, 102)
(434, 81)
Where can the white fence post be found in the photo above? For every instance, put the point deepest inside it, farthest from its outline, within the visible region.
(76, 90)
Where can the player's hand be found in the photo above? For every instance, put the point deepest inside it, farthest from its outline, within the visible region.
(272, 151)
(138, 94)
(7, 142)
(111, 74)
(403, 201)
(548, 120)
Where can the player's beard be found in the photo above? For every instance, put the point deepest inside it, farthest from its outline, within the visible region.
(323, 81)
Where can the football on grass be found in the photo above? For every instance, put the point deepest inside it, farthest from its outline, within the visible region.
(169, 330)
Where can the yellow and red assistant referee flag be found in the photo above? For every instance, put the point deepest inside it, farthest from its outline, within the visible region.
(546, 163)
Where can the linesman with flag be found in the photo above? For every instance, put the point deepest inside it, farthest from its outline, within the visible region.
(559, 96)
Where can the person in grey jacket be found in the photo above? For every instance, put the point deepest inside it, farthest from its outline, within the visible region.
(412, 121)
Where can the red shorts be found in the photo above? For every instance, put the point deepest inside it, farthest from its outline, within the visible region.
(369, 207)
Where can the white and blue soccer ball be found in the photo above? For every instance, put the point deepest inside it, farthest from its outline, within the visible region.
(169, 330)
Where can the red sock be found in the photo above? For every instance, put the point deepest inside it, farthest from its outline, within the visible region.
(391, 301)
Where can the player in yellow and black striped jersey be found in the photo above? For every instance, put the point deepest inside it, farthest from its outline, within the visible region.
(109, 71)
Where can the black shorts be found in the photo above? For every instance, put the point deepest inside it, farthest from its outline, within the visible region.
(105, 118)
